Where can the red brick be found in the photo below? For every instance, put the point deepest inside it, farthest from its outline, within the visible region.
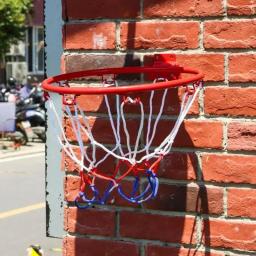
(199, 134)
(242, 202)
(230, 101)
(229, 168)
(190, 198)
(157, 227)
(230, 234)
(212, 65)
(71, 188)
(117, 200)
(92, 103)
(77, 62)
(178, 166)
(96, 103)
(241, 7)
(113, 9)
(172, 102)
(193, 133)
(156, 250)
(242, 136)
(70, 165)
(91, 247)
(230, 34)
(242, 68)
(90, 221)
(89, 36)
(185, 8)
(159, 35)
(102, 131)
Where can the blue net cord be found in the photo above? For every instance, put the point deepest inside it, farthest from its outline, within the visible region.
(149, 192)
(82, 201)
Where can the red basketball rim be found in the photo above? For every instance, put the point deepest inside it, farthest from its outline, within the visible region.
(47, 84)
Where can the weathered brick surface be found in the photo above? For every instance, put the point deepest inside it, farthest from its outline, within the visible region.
(242, 202)
(172, 102)
(190, 198)
(233, 101)
(102, 130)
(179, 166)
(212, 65)
(92, 247)
(242, 136)
(241, 7)
(242, 68)
(91, 221)
(230, 34)
(89, 36)
(230, 234)
(229, 168)
(196, 134)
(155, 250)
(74, 9)
(147, 226)
(215, 37)
(185, 8)
(159, 35)
(71, 188)
(70, 166)
(77, 62)
(192, 133)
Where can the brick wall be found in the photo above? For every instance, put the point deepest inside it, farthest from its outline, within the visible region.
(206, 203)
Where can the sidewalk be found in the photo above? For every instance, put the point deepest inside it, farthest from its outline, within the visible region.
(7, 150)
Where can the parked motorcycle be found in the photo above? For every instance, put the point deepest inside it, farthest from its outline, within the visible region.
(31, 110)
(30, 115)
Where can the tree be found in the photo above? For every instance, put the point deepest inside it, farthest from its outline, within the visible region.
(13, 15)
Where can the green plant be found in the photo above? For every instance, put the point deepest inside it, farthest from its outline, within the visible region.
(13, 15)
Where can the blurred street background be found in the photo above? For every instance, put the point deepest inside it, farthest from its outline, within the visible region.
(22, 195)
(22, 130)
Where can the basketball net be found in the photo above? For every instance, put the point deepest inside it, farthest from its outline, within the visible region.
(133, 158)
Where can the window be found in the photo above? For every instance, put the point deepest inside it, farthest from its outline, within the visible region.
(35, 50)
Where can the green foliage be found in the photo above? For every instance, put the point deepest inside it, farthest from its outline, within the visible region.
(12, 22)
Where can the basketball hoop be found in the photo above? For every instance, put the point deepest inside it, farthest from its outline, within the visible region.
(133, 158)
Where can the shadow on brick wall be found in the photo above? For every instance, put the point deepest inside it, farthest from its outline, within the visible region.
(171, 224)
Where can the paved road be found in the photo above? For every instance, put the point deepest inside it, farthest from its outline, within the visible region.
(22, 210)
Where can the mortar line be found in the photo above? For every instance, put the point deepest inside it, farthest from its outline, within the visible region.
(199, 166)
(225, 202)
(225, 8)
(118, 37)
(226, 67)
(199, 232)
(142, 9)
(117, 230)
(201, 36)
(189, 19)
(225, 134)
(181, 51)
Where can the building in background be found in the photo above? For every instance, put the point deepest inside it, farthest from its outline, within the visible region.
(27, 57)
